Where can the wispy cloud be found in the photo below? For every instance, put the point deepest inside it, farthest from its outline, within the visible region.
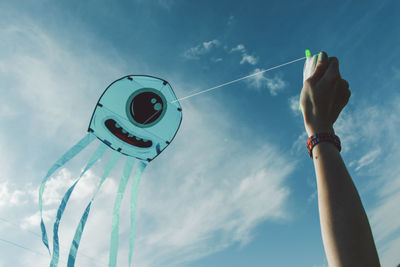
(201, 49)
(195, 53)
(48, 86)
(298, 146)
(294, 102)
(275, 84)
(248, 59)
(216, 59)
(390, 253)
(365, 128)
(11, 196)
(259, 81)
(367, 159)
(239, 47)
(370, 132)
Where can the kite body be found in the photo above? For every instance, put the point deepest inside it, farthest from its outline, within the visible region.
(137, 116)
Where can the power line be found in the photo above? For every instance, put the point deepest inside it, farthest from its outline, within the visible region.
(39, 236)
(20, 246)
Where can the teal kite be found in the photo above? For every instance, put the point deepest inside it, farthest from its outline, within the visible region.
(137, 116)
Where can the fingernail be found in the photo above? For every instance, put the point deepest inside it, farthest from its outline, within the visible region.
(320, 56)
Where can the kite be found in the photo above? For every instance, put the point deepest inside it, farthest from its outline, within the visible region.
(137, 116)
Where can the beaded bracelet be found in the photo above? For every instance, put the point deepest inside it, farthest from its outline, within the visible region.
(322, 137)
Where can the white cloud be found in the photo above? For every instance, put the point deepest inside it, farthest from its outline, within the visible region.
(294, 102)
(248, 59)
(239, 47)
(313, 196)
(372, 131)
(387, 206)
(217, 59)
(45, 91)
(57, 186)
(367, 159)
(275, 85)
(299, 145)
(32, 221)
(390, 253)
(260, 80)
(206, 47)
(39, 76)
(10, 196)
(364, 119)
(201, 49)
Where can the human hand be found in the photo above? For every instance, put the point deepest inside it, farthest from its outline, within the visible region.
(324, 95)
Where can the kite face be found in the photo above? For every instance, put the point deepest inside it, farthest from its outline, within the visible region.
(135, 116)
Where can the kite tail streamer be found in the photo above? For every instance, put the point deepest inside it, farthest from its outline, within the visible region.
(96, 155)
(72, 152)
(78, 233)
(134, 193)
(115, 220)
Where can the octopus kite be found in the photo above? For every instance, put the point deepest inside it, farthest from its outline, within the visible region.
(137, 116)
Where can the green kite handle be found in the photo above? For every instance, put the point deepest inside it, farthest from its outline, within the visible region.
(308, 54)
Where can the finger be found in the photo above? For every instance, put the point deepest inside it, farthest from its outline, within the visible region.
(322, 65)
(332, 71)
(347, 92)
(341, 99)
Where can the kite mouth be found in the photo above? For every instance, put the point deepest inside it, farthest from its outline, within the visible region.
(126, 136)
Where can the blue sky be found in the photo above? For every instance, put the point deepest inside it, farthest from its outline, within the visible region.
(236, 186)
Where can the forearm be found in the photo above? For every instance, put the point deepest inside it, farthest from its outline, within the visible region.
(345, 228)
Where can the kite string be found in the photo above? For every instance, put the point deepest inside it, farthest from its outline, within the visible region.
(242, 78)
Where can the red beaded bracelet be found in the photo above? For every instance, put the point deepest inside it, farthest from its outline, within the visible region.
(322, 137)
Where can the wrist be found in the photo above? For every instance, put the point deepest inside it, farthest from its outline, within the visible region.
(312, 130)
(322, 135)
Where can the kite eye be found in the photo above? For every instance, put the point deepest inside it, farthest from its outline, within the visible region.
(146, 108)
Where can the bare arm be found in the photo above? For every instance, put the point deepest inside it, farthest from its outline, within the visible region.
(345, 229)
(346, 232)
